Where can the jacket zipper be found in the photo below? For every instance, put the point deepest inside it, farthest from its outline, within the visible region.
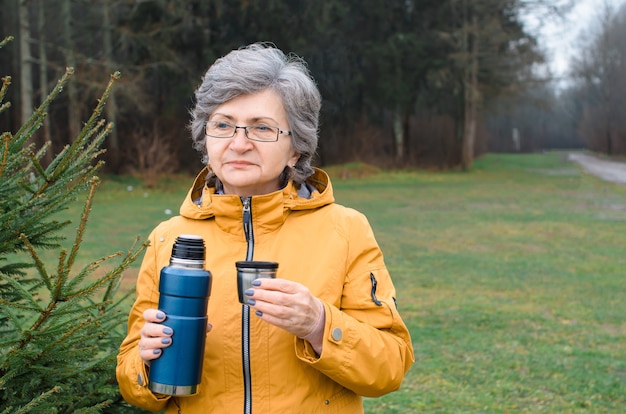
(245, 319)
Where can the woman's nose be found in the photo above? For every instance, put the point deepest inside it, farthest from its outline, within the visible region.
(240, 139)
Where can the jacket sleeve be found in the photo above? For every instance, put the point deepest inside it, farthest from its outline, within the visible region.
(131, 372)
(367, 347)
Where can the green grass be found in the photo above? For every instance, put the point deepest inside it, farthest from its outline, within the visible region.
(512, 281)
(511, 278)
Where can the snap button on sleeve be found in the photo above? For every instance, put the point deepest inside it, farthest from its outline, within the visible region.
(337, 334)
(140, 380)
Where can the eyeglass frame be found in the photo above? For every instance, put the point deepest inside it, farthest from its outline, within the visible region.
(245, 130)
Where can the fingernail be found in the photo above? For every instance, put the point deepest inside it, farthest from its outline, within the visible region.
(256, 282)
(156, 351)
(259, 313)
(251, 302)
(160, 315)
(249, 292)
(168, 331)
(166, 341)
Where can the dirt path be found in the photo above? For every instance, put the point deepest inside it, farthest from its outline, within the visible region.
(612, 171)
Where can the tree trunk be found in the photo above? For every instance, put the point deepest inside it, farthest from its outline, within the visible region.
(398, 134)
(43, 77)
(607, 81)
(113, 156)
(26, 73)
(471, 99)
(73, 107)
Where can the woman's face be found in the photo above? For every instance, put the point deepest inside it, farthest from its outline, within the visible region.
(248, 167)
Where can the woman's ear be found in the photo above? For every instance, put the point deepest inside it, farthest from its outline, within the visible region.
(293, 160)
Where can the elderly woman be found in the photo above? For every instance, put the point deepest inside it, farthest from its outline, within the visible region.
(323, 333)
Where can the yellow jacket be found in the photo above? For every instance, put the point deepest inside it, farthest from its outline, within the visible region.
(329, 248)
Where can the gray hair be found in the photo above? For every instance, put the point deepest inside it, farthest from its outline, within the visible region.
(253, 69)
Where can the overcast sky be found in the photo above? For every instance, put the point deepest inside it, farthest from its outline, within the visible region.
(561, 38)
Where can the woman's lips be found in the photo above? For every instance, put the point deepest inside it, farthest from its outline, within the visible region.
(239, 163)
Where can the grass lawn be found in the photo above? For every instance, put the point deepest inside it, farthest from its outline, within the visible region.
(511, 278)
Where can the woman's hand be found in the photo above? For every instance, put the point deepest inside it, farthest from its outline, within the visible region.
(154, 335)
(287, 305)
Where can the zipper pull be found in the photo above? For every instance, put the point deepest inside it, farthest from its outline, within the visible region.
(374, 284)
(247, 218)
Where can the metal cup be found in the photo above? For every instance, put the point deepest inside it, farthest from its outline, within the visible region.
(249, 270)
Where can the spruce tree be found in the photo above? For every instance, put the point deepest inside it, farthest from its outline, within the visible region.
(60, 327)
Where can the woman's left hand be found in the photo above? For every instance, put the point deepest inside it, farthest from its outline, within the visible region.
(286, 304)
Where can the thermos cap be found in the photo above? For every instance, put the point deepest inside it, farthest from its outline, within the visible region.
(253, 264)
(188, 247)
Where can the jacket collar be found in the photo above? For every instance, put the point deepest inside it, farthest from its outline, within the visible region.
(268, 210)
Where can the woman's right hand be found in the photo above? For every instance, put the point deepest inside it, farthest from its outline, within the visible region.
(154, 335)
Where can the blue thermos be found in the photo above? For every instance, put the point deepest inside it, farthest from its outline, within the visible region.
(184, 290)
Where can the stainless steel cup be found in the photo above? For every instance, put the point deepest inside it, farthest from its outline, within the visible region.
(249, 270)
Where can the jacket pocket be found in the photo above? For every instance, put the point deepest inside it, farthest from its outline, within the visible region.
(343, 402)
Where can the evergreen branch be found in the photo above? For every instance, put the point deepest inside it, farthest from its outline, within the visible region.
(67, 157)
(28, 408)
(5, 106)
(38, 230)
(45, 313)
(97, 112)
(14, 269)
(70, 307)
(76, 327)
(111, 290)
(94, 409)
(38, 263)
(110, 277)
(35, 119)
(66, 338)
(20, 291)
(34, 159)
(6, 40)
(89, 128)
(12, 317)
(95, 181)
(89, 289)
(62, 274)
(95, 143)
(87, 270)
(6, 81)
(113, 287)
(6, 139)
(43, 150)
(28, 188)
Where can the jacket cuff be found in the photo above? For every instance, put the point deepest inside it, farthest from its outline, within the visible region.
(333, 336)
(134, 387)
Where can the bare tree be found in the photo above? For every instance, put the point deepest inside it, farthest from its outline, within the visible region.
(26, 61)
(70, 59)
(43, 76)
(111, 108)
(600, 70)
(472, 98)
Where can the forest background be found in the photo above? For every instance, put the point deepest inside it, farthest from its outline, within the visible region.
(427, 84)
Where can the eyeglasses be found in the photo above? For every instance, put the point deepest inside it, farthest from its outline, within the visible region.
(262, 133)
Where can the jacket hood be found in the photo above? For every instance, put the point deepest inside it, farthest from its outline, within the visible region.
(202, 202)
